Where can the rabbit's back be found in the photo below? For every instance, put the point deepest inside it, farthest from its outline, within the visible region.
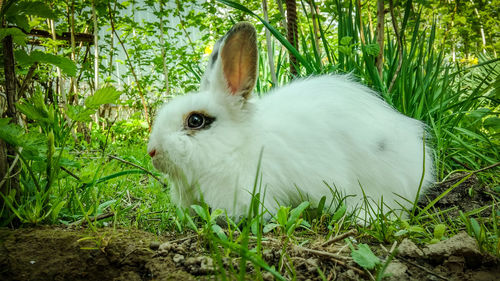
(331, 129)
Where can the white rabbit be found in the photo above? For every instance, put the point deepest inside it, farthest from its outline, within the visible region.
(313, 132)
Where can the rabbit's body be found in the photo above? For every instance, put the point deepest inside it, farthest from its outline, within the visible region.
(317, 133)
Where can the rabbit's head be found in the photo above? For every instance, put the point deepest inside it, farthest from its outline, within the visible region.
(191, 130)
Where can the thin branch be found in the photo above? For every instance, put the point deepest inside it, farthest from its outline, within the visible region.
(93, 219)
(337, 258)
(468, 173)
(486, 168)
(7, 175)
(422, 268)
(351, 232)
(70, 173)
(400, 45)
(27, 80)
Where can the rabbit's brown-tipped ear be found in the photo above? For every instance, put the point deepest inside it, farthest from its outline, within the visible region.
(233, 63)
(239, 59)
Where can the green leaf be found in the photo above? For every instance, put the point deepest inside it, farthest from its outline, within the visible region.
(202, 213)
(269, 227)
(492, 123)
(36, 8)
(215, 214)
(103, 96)
(104, 205)
(55, 209)
(345, 40)
(475, 227)
(372, 49)
(79, 113)
(282, 215)
(9, 132)
(18, 36)
(66, 65)
(296, 212)
(439, 230)
(219, 232)
(339, 213)
(364, 257)
(33, 143)
(34, 110)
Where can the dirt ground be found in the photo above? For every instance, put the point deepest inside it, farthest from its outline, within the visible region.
(62, 253)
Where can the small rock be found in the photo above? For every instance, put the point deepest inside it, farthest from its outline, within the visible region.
(455, 263)
(267, 276)
(408, 249)
(154, 245)
(268, 254)
(311, 265)
(128, 276)
(178, 258)
(459, 245)
(167, 247)
(396, 271)
(200, 265)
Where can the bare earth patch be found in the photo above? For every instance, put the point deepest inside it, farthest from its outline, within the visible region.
(60, 254)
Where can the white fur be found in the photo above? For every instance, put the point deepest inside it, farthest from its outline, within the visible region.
(319, 129)
(315, 130)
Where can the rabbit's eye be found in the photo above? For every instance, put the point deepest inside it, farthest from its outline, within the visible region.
(197, 121)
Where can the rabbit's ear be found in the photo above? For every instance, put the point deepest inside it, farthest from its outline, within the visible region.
(233, 64)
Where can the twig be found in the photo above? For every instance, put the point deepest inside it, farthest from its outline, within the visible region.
(182, 239)
(322, 253)
(7, 175)
(337, 258)
(27, 79)
(460, 176)
(138, 167)
(486, 168)
(423, 268)
(92, 219)
(70, 173)
(340, 237)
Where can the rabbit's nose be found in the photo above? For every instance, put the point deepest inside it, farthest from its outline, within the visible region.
(152, 153)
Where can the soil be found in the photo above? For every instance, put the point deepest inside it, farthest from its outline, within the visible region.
(64, 253)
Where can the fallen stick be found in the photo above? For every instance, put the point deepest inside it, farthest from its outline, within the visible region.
(351, 232)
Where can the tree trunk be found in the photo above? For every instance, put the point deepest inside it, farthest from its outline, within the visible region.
(314, 17)
(270, 55)
(163, 53)
(282, 12)
(399, 40)
(292, 34)
(379, 62)
(11, 182)
(361, 31)
(96, 48)
(72, 96)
